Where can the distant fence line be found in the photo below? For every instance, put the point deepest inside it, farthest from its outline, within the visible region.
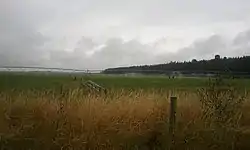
(23, 68)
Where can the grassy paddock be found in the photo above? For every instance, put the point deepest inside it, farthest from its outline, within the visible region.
(42, 81)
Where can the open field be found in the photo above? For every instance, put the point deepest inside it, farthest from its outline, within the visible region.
(42, 81)
(35, 115)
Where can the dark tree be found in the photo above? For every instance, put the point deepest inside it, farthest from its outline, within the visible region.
(236, 66)
(217, 57)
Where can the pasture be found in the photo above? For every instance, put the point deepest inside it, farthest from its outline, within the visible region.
(50, 81)
(134, 114)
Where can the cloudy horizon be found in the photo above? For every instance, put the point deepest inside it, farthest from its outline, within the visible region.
(96, 34)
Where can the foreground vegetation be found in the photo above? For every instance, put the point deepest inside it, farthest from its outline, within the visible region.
(214, 117)
(121, 120)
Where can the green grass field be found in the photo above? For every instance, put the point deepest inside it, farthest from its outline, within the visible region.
(42, 81)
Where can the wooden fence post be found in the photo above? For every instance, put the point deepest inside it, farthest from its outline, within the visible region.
(172, 121)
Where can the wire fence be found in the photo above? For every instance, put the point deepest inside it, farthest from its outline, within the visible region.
(47, 69)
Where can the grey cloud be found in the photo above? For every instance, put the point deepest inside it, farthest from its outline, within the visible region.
(86, 43)
(205, 48)
(241, 43)
(21, 46)
(28, 30)
(59, 15)
(21, 43)
(21, 52)
(242, 38)
(216, 44)
(76, 58)
(117, 52)
(123, 53)
(168, 12)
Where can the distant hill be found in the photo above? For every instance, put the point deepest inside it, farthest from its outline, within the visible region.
(236, 65)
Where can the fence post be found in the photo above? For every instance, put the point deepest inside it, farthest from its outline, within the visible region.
(172, 121)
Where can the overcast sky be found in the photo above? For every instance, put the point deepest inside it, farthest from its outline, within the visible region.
(97, 34)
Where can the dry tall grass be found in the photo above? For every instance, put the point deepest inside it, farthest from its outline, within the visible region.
(122, 120)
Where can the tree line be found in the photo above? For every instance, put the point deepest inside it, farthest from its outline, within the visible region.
(233, 65)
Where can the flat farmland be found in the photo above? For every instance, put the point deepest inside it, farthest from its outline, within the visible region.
(46, 81)
(37, 113)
